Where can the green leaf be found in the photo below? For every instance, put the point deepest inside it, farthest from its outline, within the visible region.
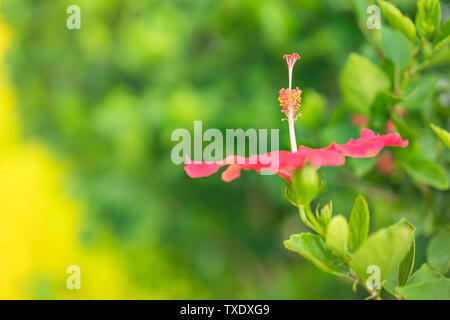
(360, 7)
(337, 235)
(385, 248)
(313, 107)
(404, 129)
(438, 251)
(396, 47)
(428, 17)
(438, 289)
(379, 112)
(360, 82)
(359, 223)
(419, 91)
(397, 20)
(425, 273)
(407, 265)
(444, 32)
(391, 283)
(392, 98)
(443, 134)
(313, 248)
(428, 172)
(441, 46)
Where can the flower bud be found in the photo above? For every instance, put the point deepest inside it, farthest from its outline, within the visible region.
(305, 185)
(428, 17)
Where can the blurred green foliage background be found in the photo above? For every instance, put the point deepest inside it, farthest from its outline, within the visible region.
(105, 100)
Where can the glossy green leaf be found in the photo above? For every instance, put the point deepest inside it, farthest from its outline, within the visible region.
(419, 91)
(425, 273)
(444, 32)
(403, 273)
(438, 251)
(391, 283)
(385, 249)
(407, 265)
(443, 134)
(428, 172)
(359, 223)
(396, 47)
(438, 289)
(360, 82)
(313, 248)
(337, 235)
(397, 20)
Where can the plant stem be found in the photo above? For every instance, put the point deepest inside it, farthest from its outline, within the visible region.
(421, 66)
(419, 48)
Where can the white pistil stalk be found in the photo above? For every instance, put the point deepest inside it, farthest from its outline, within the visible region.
(292, 132)
(291, 117)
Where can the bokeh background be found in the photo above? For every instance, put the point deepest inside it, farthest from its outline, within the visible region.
(86, 118)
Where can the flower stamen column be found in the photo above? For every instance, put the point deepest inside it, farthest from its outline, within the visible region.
(290, 101)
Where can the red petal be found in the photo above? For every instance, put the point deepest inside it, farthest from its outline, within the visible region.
(197, 169)
(328, 156)
(283, 163)
(369, 145)
(232, 172)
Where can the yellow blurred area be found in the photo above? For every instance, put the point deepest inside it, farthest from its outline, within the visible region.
(39, 223)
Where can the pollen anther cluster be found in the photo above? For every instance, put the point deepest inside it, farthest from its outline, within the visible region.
(290, 101)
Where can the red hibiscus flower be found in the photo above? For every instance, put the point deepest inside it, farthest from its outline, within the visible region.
(284, 163)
